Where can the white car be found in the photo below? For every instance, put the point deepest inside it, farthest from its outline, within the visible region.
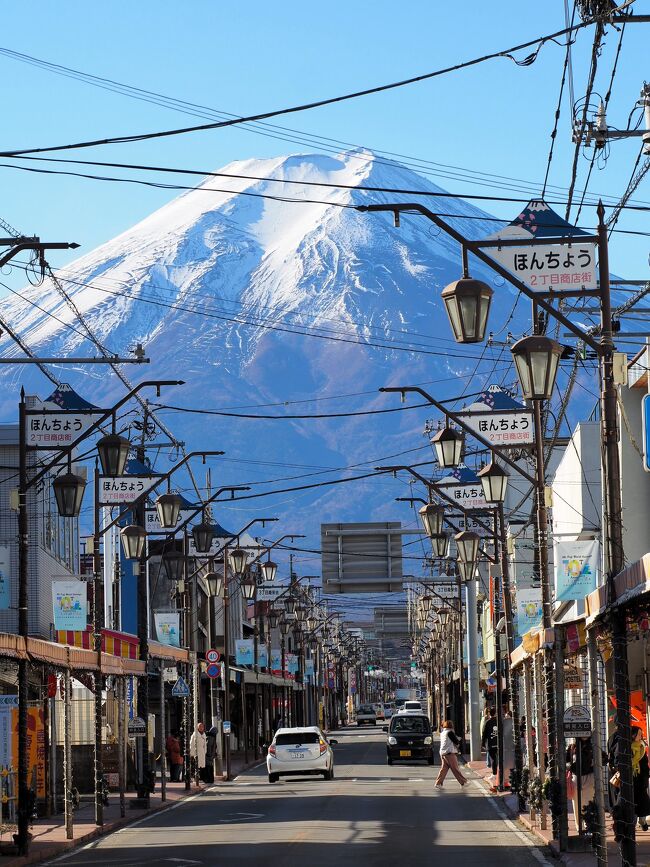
(411, 707)
(298, 752)
(389, 710)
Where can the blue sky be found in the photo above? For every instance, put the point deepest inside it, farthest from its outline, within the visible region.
(248, 57)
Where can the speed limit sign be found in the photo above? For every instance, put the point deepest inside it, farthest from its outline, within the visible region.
(212, 656)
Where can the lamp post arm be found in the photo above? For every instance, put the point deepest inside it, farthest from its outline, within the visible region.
(462, 424)
(491, 263)
(63, 453)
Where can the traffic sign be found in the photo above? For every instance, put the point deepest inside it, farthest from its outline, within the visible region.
(212, 656)
(577, 721)
(137, 727)
(213, 670)
(180, 689)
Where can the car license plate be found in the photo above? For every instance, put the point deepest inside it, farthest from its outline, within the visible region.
(405, 752)
(298, 755)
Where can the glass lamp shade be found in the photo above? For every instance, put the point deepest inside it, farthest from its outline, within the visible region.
(269, 571)
(313, 643)
(301, 614)
(448, 444)
(290, 606)
(174, 563)
(113, 454)
(444, 617)
(467, 571)
(203, 534)
(312, 623)
(467, 302)
(69, 493)
(168, 507)
(215, 583)
(536, 359)
(273, 619)
(133, 541)
(467, 546)
(248, 589)
(432, 517)
(440, 545)
(426, 602)
(284, 627)
(494, 480)
(238, 558)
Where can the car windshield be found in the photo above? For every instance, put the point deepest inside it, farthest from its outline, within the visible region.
(366, 708)
(296, 738)
(412, 705)
(411, 724)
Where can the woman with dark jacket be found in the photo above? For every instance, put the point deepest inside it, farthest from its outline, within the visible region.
(640, 777)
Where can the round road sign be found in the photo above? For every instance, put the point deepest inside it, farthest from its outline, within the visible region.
(213, 670)
(212, 656)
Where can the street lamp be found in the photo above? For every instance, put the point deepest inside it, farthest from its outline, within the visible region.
(312, 623)
(290, 606)
(284, 627)
(215, 583)
(448, 444)
(203, 534)
(467, 302)
(113, 454)
(168, 507)
(174, 563)
(269, 570)
(440, 545)
(494, 480)
(273, 618)
(467, 544)
(238, 558)
(69, 493)
(248, 589)
(432, 516)
(536, 359)
(133, 541)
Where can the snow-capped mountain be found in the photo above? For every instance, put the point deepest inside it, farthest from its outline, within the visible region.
(257, 302)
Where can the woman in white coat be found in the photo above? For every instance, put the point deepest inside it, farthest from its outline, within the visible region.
(199, 748)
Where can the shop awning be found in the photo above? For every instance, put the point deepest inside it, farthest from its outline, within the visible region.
(632, 582)
(65, 656)
(166, 651)
(531, 643)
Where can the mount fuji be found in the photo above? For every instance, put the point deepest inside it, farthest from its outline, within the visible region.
(276, 298)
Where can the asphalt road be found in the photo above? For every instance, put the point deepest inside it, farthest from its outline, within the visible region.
(370, 814)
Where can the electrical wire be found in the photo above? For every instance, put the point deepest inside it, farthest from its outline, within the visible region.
(539, 41)
(567, 63)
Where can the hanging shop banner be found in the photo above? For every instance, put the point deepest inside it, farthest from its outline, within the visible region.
(577, 565)
(167, 625)
(269, 592)
(70, 605)
(244, 651)
(309, 668)
(497, 417)
(276, 659)
(117, 490)
(35, 746)
(152, 522)
(5, 577)
(262, 656)
(464, 487)
(529, 610)
(291, 661)
(60, 419)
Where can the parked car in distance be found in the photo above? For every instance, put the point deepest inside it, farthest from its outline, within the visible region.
(300, 751)
(409, 737)
(389, 709)
(379, 710)
(366, 715)
(411, 707)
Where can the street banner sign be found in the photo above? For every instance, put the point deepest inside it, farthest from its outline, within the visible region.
(180, 689)
(577, 566)
(499, 418)
(269, 592)
(122, 490)
(226, 727)
(577, 721)
(137, 727)
(567, 262)
(153, 525)
(212, 656)
(464, 487)
(213, 670)
(60, 419)
(573, 678)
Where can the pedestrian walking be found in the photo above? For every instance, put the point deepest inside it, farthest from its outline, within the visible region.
(449, 748)
(490, 743)
(199, 750)
(640, 777)
(174, 757)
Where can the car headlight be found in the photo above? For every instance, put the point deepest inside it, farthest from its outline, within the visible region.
(428, 741)
(392, 741)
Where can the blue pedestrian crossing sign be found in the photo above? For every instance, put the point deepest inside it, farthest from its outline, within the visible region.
(180, 689)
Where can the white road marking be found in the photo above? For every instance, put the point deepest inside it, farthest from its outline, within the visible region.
(535, 850)
(416, 779)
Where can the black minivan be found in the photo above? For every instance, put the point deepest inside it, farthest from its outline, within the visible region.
(409, 737)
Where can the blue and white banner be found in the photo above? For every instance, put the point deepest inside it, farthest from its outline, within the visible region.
(5, 577)
(309, 667)
(244, 651)
(262, 656)
(577, 565)
(70, 605)
(168, 627)
(291, 662)
(276, 659)
(529, 610)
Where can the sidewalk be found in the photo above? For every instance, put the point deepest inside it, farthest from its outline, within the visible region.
(48, 835)
(510, 804)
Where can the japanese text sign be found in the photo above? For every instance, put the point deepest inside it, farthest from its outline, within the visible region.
(117, 490)
(548, 267)
(502, 428)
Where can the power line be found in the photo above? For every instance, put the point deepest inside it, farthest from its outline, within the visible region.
(539, 41)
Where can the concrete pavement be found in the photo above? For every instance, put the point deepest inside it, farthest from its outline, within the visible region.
(370, 814)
